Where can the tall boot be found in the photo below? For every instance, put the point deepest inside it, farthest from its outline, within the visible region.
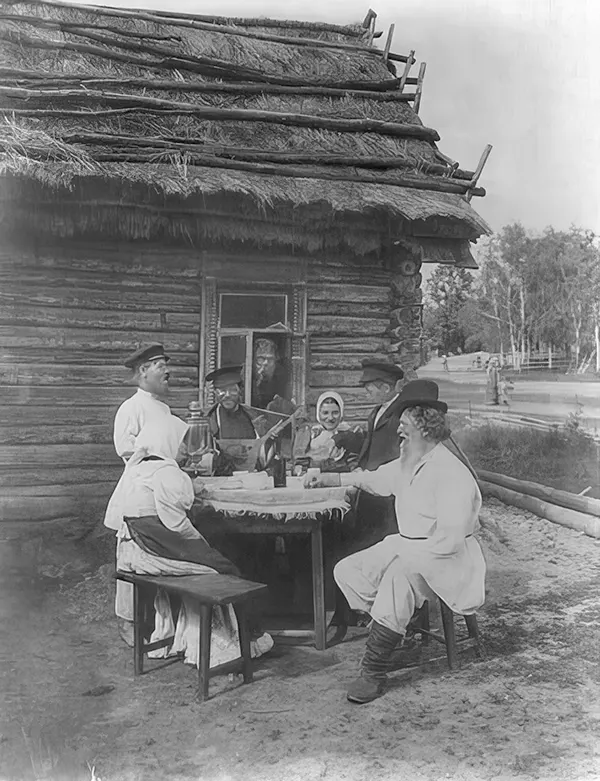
(381, 642)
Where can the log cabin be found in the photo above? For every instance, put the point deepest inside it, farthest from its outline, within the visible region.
(201, 182)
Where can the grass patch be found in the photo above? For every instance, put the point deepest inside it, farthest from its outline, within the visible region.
(565, 459)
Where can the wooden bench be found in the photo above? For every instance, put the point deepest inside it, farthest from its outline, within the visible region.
(208, 591)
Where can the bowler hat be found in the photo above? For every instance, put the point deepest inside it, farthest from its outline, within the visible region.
(225, 375)
(419, 393)
(149, 352)
(379, 370)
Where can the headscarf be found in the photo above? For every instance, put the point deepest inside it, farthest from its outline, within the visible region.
(335, 396)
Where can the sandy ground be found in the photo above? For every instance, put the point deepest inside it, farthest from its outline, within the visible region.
(72, 709)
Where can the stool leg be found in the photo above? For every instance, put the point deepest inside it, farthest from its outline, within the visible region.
(138, 631)
(425, 624)
(473, 630)
(204, 649)
(449, 635)
(244, 633)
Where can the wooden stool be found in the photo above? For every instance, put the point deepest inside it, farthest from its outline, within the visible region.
(208, 591)
(420, 623)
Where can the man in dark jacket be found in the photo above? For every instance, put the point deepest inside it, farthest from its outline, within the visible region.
(375, 515)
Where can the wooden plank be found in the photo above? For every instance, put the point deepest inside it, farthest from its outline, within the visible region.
(60, 374)
(35, 355)
(242, 270)
(357, 344)
(97, 318)
(322, 325)
(99, 397)
(69, 434)
(343, 361)
(31, 456)
(355, 293)
(81, 296)
(45, 475)
(358, 309)
(90, 339)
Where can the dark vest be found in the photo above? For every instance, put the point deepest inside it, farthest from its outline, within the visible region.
(381, 444)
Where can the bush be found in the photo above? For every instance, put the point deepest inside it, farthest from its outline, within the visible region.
(566, 459)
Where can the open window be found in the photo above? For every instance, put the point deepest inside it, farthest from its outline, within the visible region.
(264, 330)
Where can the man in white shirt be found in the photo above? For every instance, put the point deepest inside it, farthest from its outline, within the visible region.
(434, 552)
(151, 375)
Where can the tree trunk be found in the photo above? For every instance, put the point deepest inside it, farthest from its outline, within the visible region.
(597, 336)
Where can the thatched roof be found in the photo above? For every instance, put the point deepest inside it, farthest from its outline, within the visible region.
(156, 109)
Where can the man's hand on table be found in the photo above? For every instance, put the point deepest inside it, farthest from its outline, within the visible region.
(324, 480)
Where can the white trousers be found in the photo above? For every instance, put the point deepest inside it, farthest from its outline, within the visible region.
(379, 582)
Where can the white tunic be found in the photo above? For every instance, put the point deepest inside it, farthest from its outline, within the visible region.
(437, 507)
(132, 415)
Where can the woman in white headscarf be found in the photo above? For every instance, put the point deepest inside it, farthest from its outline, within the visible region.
(156, 537)
(332, 441)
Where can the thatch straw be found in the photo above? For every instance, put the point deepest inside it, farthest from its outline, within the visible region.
(188, 106)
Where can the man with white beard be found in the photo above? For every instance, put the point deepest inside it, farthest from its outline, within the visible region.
(434, 552)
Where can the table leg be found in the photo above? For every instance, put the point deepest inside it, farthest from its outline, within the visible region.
(318, 583)
(244, 633)
(204, 651)
(138, 631)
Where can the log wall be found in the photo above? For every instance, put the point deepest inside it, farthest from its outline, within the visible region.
(68, 316)
(69, 313)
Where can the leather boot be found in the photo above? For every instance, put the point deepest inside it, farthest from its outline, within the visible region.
(381, 642)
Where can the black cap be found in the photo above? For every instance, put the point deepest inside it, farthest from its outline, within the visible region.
(378, 370)
(149, 352)
(419, 393)
(226, 375)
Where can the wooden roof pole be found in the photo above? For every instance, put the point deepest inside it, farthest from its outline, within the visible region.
(409, 63)
(388, 43)
(419, 90)
(479, 169)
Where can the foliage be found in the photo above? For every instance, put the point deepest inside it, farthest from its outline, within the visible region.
(567, 459)
(449, 289)
(534, 293)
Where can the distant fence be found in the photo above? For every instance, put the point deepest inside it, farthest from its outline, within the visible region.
(538, 362)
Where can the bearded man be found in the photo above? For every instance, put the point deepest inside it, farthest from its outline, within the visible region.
(269, 379)
(434, 552)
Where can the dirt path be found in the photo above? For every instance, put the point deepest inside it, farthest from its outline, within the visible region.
(531, 710)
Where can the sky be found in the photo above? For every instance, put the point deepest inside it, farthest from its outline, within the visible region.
(522, 75)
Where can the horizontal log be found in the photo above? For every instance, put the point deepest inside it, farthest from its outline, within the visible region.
(343, 361)
(359, 310)
(174, 271)
(348, 293)
(34, 355)
(35, 79)
(332, 378)
(582, 522)
(28, 478)
(583, 504)
(49, 396)
(194, 24)
(17, 293)
(98, 318)
(59, 374)
(92, 339)
(81, 510)
(32, 456)
(82, 434)
(354, 344)
(323, 325)
(351, 395)
(129, 103)
(74, 416)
